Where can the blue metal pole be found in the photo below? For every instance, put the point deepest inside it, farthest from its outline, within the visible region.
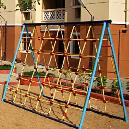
(34, 59)
(12, 67)
(93, 75)
(118, 75)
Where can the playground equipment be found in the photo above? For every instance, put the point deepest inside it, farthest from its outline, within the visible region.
(53, 45)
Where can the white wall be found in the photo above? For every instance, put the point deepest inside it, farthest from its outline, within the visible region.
(116, 11)
(18, 15)
(98, 8)
(106, 9)
(69, 11)
(15, 17)
(9, 13)
(38, 13)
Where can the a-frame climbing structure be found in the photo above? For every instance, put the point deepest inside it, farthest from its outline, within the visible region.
(71, 55)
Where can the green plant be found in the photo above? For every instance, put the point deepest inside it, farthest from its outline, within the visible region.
(2, 5)
(67, 74)
(51, 75)
(66, 77)
(101, 81)
(115, 87)
(40, 74)
(5, 67)
(54, 72)
(25, 5)
(84, 76)
(127, 86)
(30, 73)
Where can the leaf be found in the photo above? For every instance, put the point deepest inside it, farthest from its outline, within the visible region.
(27, 4)
(2, 5)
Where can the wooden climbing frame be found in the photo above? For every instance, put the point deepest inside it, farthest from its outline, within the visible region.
(58, 96)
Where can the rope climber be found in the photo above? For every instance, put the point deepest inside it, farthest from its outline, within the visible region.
(69, 91)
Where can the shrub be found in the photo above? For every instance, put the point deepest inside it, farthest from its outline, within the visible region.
(114, 87)
(127, 86)
(85, 76)
(5, 67)
(41, 74)
(51, 75)
(101, 81)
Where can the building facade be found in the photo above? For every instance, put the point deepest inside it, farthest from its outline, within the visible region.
(67, 11)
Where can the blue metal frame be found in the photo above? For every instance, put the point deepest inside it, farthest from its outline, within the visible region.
(92, 77)
(105, 26)
(13, 63)
(118, 75)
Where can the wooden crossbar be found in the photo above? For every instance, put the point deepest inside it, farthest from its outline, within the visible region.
(64, 39)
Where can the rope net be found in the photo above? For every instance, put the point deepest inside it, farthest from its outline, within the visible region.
(62, 59)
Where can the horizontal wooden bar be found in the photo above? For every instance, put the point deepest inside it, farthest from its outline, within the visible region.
(64, 39)
(106, 45)
(67, 23)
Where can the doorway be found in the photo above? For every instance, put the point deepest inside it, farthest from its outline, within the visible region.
(61, 50)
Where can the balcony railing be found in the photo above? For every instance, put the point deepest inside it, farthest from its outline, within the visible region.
(54, 14)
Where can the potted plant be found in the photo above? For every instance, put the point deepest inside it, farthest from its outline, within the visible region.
(32, 77)
(26, 5)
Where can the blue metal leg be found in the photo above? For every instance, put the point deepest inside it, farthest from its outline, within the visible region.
(35, 61)
(92, 77)
(118, 76)
(13, 63)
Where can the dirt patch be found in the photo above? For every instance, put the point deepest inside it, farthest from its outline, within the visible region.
(12, 117)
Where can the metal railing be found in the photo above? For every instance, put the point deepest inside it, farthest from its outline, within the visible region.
(54, 14)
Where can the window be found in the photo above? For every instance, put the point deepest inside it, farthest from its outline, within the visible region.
(76, 3)
(74, 46)
(77, 12)
(26, 38)
(27, 15)
(77, 8)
